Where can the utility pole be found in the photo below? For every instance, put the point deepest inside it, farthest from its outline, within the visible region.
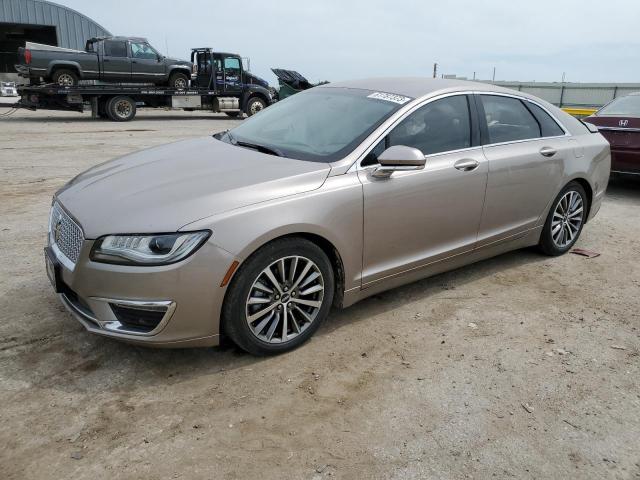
(435, 70)
(563, 75)
(494, 74)
(474, 75)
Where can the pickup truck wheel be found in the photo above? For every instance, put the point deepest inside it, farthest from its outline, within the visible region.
(179, 81)
(65, 78)
(254, 105)
(121, 109)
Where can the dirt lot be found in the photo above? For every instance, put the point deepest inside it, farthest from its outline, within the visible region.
(517, 367)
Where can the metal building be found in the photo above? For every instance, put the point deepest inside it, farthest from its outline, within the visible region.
(42, 22)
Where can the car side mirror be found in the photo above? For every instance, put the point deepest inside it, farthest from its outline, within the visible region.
(399, 158)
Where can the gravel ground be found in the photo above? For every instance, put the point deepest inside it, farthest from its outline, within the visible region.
(521, 366)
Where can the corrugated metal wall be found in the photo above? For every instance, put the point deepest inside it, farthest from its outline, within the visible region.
(73, 28)
(577, 95)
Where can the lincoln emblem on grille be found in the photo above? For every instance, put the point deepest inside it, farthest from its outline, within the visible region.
(56, 229)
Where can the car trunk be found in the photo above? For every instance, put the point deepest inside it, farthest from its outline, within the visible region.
(623, 134)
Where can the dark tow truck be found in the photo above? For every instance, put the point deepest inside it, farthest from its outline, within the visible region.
(220, 84)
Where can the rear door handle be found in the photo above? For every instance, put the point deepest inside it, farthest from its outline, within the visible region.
(548, 151)
(466, 164)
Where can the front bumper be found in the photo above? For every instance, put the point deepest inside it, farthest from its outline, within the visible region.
(185, 299)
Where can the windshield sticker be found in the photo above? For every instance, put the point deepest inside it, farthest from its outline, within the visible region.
(389, 97)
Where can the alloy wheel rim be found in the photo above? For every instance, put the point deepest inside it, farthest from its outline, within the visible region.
(180, 83)
(65, 80)
(284, 300)
(123, 109)
(567, 219)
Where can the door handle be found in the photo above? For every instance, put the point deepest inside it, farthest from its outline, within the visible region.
(548, 151)
(466, 164)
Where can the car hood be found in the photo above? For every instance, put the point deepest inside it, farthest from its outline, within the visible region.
(164, 188)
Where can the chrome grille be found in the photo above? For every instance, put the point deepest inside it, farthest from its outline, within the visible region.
(65, 233)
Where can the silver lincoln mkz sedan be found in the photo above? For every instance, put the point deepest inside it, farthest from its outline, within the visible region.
(322, 199)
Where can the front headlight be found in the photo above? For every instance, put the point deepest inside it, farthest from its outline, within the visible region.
(161, 249)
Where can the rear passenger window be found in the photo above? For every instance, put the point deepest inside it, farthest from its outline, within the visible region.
(548, 125)
(439, 126)
(508, 119)
(115, 48)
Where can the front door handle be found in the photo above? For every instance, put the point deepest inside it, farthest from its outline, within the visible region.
(548, 151)
(466, 164)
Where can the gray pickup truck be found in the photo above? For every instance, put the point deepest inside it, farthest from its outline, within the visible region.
(110, 59)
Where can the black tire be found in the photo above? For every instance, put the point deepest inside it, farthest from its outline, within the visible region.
(234, 319)
(233, 114)
(178, 81)
(255, 105)
(65, 77)
(121, 108)
(547, 243)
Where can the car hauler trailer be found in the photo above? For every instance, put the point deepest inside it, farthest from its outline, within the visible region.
(221, 85)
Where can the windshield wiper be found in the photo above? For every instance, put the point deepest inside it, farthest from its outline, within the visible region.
(258, 147)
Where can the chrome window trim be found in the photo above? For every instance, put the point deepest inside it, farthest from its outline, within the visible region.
(420, 102)
(525, 99)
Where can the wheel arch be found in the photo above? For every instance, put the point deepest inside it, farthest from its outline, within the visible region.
(584, 183)
(328, 247)
(73, 66)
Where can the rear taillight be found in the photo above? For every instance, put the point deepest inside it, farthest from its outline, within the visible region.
(27, 57)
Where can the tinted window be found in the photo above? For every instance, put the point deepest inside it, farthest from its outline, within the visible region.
(548, 125)
(114, 48)
(628, 106)
(439, 126)
(508, 119)
(143, 50)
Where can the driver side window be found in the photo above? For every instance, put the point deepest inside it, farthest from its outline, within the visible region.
(142, 50)
(440, 126)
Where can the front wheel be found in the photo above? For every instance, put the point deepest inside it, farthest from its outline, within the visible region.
(255, 105)
(565, 221)
(279, 297)
(179, 81)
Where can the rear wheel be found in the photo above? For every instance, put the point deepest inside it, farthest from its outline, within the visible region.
(565, 221)
(65, 77)
(255, 105)
(179, 81)
(121, 108)
(279, 297)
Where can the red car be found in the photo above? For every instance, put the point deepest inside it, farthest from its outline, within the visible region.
(619, 123)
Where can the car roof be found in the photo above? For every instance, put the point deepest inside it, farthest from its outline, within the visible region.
(417, 87)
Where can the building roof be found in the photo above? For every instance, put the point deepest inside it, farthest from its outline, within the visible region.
(73, 28)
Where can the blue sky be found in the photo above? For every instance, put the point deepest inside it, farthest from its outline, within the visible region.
(334, 40)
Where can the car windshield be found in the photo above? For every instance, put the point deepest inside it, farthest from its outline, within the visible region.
(321, 124)
(628, 106)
